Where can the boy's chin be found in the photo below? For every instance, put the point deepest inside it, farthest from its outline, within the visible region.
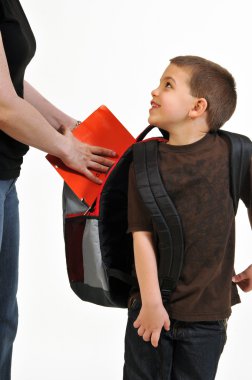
(151, 121)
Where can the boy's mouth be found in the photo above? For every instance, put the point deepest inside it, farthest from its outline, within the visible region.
(154, 104)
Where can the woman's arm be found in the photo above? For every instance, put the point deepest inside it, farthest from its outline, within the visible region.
(20, 120)
(55, 117)
(153, 316)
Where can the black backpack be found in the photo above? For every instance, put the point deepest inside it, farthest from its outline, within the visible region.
(99, 252)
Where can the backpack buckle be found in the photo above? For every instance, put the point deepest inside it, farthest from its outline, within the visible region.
(166, 286)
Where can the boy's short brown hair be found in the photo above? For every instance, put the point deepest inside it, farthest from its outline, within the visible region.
(212, 82)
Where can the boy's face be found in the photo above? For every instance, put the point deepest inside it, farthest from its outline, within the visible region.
(171, 100)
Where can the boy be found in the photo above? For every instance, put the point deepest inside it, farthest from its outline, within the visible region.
(182, 338)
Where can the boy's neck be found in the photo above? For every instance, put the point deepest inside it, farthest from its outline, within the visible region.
(188, 133)
(185, 139)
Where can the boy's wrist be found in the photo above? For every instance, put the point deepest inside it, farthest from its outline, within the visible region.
(152, 301)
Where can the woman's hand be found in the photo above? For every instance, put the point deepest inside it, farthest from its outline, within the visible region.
(83, 157)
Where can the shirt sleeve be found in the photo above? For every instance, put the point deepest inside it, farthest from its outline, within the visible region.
(139, 218)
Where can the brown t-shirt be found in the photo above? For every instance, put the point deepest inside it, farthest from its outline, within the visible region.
(196, 177)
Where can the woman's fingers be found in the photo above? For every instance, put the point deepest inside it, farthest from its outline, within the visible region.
(100, 151)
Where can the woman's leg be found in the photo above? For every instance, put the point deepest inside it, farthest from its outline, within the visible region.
(9, 245)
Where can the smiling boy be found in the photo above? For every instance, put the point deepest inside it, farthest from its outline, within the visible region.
(183, 337)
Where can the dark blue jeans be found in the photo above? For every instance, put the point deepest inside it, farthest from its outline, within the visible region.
(189, 351)
(9, 244)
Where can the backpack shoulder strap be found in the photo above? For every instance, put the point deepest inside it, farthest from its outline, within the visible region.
(164, 215)
(240, 155)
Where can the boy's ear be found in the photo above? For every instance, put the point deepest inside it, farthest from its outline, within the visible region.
(199, 108)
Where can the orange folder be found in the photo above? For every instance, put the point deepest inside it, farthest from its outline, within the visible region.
(103, 129)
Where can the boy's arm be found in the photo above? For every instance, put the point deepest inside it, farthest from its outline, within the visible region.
(153, 316)
(244, 279)
(250, 194)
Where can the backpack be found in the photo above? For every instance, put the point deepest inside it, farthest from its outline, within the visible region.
(99, 251)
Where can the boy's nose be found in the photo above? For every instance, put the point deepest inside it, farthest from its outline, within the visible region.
(154, 92)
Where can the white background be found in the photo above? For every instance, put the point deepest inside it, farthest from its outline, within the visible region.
(112, 52)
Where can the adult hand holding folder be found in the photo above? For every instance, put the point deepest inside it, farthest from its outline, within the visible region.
(101, 128)
(86, 157)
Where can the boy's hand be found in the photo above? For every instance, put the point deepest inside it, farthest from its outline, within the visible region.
(244, 279)
(150, 321)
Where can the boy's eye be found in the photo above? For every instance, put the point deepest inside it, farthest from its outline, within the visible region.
(168, 85)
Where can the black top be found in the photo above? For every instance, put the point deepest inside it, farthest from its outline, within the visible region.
(20, 45)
